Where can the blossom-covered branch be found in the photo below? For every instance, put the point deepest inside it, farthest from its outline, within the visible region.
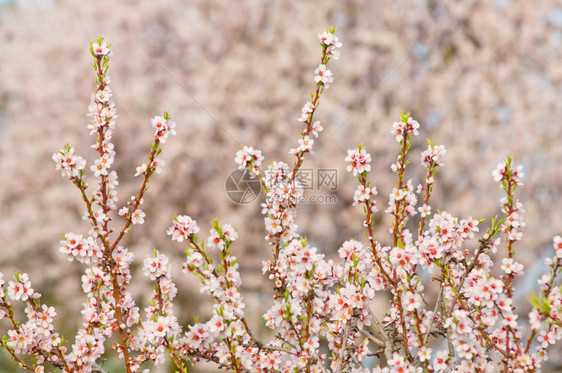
(447, 305)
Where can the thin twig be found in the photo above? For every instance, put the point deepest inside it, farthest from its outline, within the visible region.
(343, 347)
(433, 317)
(370, 336)
(378, 324)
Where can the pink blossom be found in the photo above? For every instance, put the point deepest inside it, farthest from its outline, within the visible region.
(323, 75)
(164, 128)
(250, 158)
(316, 128)
(100, 49)
(358, 161)
(305, 144)
(424, 210)
(182, 227)
(21, 288)
(157, 266)
(137, 216)
(68, 163)
(558, 246)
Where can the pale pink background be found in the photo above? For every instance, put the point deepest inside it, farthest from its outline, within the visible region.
(482, 77)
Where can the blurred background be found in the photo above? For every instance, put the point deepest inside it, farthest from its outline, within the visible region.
(483, 78)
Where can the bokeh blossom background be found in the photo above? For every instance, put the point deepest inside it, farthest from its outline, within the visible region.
(483, 78)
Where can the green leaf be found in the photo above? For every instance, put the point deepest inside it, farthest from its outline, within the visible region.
(216, 226)
(404, 116)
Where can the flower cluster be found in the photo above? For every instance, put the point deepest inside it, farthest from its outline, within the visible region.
(182, 228)
(225, 338)
(474, 309)
(160, 327)
(21, 288)
(358, 161)
(84, 250)
(432, 156)
(283, 193)
(404, 128)
(164, 128)
(69, 163)
(36, 336)
(109, 307)
(323, 76)
(331, 41)
(100, 49)
(363, 193)
(249, 158)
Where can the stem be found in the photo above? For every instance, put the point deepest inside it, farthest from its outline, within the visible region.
(300, 155)
(433, 317)
(379, 326)
(343, 347)
(138, 198)
(397, 217)
(22, 363)
(119, 317)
